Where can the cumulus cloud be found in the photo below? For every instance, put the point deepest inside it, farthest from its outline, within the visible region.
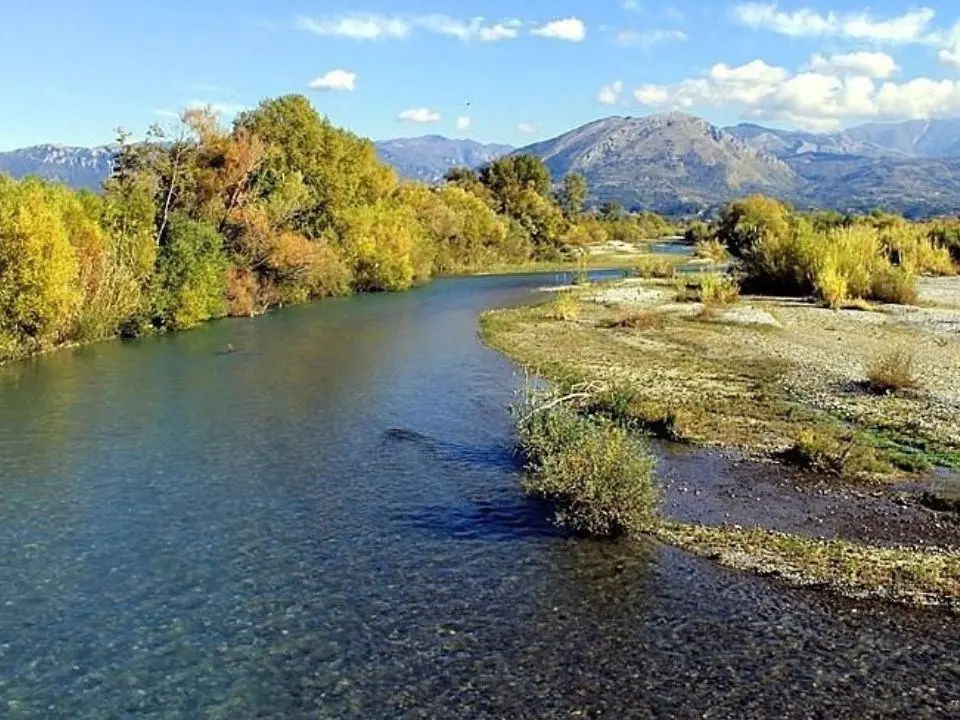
(571, 29)
(610, 94)
(373, 26)
(950, 57)
(819, 98)
(911, 27)
(419, 115)
(649, 38)
(870, 64)
(464, 123)
(335, 80)
(526, 128)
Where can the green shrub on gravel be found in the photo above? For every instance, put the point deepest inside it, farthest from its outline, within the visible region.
(599, 475)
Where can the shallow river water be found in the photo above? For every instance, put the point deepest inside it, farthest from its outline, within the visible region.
(326, 522)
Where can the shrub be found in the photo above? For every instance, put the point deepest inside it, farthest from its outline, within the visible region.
(600, 478)
(892, 371)
(711, 250)
(716, 289)
(698, 232)
(655, 267)
(910, 247)
(894, 285)
(564, 307)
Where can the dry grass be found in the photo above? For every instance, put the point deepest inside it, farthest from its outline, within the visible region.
(922, 578)
(565, 308)
(638, 320)
(892, 371)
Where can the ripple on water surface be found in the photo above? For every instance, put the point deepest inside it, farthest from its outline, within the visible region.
(326, 522)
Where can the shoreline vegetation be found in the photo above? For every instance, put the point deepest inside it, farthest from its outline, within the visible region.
(203, 221)
(828, 346)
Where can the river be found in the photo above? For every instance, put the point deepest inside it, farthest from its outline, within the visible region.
(326, 522)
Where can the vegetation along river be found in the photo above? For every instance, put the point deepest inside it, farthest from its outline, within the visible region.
(326, 521)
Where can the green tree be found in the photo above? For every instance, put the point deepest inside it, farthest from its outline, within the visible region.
(191, 275)
(573, 195)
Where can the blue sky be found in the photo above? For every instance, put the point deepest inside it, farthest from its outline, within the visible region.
(493, 70)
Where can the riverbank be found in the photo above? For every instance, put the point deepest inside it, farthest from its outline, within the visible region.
(785, 384)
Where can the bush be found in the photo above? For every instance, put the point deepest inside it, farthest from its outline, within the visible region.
(564, 307)
(698, 232)
(716, 289)
(655, 267)
(599, 476)
(894, 285)
(892, 371)
(711, 250)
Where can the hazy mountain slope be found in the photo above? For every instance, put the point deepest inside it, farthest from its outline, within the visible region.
(916, 138)
(75, 166)
(429, 157)
(787, 143)
(671, 162)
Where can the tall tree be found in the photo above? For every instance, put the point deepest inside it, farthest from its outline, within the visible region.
(573, 195)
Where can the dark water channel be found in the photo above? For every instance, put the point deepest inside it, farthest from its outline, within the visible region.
(327, 523)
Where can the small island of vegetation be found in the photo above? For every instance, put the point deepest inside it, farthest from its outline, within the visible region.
(822, 344)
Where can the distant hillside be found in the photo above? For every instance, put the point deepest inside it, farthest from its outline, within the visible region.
(910, 139)
(429, 157)
(788, 143)
(78, 167)
(671, 162)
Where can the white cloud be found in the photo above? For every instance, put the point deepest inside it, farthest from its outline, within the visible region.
(950, 57)
(373, 26)
(419, 115)
(911, 27)
(497, 32)
(335, 80)
(649, 38)
(870, 64)
(610, 94)
(817, 99)
(358, 26)
(526, 128)
(631, 5)
(464, 123)
(571, 29)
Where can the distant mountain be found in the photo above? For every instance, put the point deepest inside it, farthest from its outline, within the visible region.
(429, 157)
(789, 143)
(672, 162)
(910, 139)
(78, 167)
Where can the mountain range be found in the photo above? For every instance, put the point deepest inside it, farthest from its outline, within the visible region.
(672, 163)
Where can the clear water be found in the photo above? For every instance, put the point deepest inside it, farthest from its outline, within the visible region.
(326, 523)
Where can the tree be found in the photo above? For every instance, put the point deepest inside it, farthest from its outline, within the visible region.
(573, 195)
(743, 223)
(611, 210)
(191, 275)
(38, 265)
